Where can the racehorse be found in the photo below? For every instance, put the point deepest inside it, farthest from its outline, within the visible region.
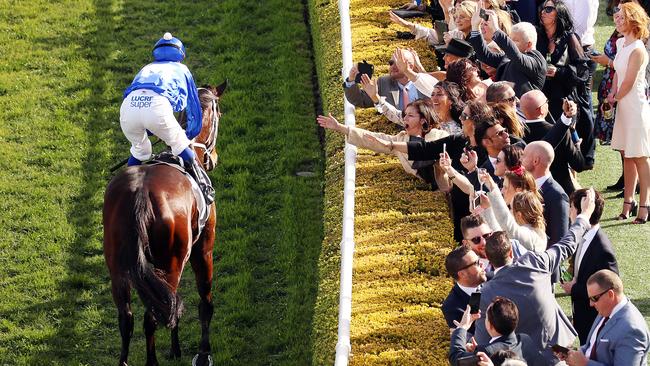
(151, 231)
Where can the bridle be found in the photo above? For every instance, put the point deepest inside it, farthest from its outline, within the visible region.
(207, 160)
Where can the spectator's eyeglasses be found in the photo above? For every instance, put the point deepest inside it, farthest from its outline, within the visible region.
(616, 10)
(477, 239)
(595, 298)
(548, 9)
(511, 99)
(477, 263)
(502, 133)
(541, 105)
(391, 62)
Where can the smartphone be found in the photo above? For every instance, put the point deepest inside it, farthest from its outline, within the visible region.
(483, 14)
(474, 302)
(444, 148)
(364, 68)
(440, 27)
(477, 202)
(560, 349)
(472, 360)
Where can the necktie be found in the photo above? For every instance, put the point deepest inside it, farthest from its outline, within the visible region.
(592, 354)
(405, 98)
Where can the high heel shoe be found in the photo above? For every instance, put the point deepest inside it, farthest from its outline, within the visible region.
(632, 212)
(639, 220)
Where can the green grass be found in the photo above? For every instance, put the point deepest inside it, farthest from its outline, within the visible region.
(62, 73)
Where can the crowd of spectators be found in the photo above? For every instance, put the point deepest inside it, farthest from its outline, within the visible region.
(502, 128)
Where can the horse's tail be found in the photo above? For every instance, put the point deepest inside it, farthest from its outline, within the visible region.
(153, 289)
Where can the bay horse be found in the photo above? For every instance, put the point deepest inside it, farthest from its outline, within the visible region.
(151, 230)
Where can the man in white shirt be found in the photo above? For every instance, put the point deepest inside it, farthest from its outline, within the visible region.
(619, 335)
(593, 254)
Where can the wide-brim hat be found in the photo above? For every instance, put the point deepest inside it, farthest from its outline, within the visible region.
(457, 47)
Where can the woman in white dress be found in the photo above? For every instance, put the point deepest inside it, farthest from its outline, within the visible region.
(631, 133)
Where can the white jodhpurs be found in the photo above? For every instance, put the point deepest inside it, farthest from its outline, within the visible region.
(145, 110)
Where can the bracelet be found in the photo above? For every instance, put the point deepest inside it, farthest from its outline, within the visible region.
(451, 177)
(391, 145)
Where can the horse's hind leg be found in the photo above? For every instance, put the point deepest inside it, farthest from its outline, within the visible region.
(202, 265)
(176, 348)
(122, 298)
(150, 324)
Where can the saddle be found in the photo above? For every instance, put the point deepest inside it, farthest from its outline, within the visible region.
(201, 185)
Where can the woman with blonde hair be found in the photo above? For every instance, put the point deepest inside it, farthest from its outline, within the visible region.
(524, 222)
(631, 133)
(507, 116)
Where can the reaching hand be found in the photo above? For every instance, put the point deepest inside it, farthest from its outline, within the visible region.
(570, 108)
(445, 162)
(469, 160)
(485, 201)
(587, 204)
(396, 19)
(400, 60)
(370, 87)
(566, 286)
(484, 360)
(467, 319)
(354, 71)
(471, 346)
(493, 21)
(476, 17)
(418, 65)
(601, 59)
(328, 121)
(486, 178)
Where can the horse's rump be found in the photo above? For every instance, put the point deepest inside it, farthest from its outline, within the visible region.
(141, 225)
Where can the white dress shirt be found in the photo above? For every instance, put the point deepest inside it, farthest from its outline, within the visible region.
(467, 290)
(584, 14)
(592, 340)
(580, 253)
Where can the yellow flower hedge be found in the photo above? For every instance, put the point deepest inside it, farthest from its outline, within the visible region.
(402, 229)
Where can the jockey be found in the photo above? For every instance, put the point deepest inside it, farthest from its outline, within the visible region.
(161, 88)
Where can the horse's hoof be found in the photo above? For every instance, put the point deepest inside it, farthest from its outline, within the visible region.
(202, 359)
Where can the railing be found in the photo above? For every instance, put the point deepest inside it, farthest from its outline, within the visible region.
(347, 238)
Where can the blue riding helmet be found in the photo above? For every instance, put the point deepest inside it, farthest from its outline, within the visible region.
(169, 48)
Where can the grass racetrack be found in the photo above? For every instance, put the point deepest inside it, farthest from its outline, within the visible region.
(63, 70)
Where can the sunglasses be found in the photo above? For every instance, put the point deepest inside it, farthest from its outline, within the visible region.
(502, 133)
(477, 239)
(511, 99)
(595, 298)
(498, 160)
(548, 9)
(616, 10)
(477, 263)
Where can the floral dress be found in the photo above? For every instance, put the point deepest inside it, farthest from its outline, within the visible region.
(603, 128)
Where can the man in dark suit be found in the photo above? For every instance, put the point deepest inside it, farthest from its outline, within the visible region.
(395, 87)
(593, 254)
(619, 335)
(534, 105)
(536, 159)
(527, 282)
(464, 267)
(501, 321)
(520, 62)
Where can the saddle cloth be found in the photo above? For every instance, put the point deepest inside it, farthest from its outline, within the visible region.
(169, 159)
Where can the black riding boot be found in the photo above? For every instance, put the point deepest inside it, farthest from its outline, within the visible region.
(202, 179)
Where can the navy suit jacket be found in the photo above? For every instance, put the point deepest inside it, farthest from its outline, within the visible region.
(556, 210)
(520, 344)
(454, 306)
(599, 255)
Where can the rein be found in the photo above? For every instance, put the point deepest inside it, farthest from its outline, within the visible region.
(209, 145)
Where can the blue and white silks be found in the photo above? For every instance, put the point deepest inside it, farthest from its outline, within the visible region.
(173, 81)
